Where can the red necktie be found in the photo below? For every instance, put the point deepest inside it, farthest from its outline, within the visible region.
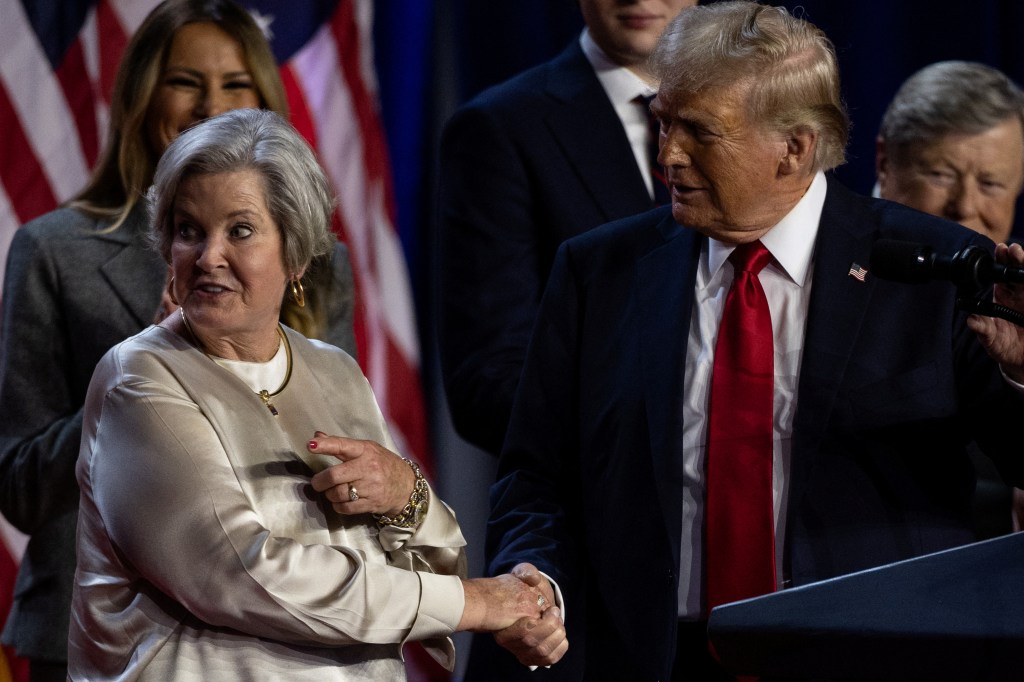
(662, 195)
(740, 534)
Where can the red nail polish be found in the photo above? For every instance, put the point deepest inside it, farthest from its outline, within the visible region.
(312, 445)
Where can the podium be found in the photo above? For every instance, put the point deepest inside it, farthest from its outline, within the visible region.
(953, 615)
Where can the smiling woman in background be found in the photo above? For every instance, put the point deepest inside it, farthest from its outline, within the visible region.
(81, 279)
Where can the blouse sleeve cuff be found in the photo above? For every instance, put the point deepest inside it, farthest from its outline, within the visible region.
(438, 529)
(442, 602)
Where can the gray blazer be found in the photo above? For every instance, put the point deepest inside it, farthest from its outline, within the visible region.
(70, 293)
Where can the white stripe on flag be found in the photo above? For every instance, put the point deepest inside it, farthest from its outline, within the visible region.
(395, 288)
(340, 147)
(37, 97)
(91, 40)
(13, 539)
(8, 224)
(131, 13)
(339, 140)
(363, 13)
(360, 197)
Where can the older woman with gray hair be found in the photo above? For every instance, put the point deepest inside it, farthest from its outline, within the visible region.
(223, 534)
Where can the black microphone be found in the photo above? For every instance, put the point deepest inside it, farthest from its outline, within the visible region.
(970, 268)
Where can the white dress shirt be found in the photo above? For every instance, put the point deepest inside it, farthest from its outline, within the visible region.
(787, 285)
(623, 87)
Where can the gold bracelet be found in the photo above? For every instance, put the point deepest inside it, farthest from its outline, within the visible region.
(415, 510)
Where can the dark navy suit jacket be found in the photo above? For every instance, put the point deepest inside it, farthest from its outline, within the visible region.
(524, 166)
(892, 387)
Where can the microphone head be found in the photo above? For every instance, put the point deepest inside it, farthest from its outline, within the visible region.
(902, 261)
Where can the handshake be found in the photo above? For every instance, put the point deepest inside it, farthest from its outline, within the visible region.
(519, 608)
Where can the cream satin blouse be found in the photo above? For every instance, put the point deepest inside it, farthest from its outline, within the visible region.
(203, 551)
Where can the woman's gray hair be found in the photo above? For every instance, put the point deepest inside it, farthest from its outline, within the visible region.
(790, 64)
(952, 97)
(294, 185)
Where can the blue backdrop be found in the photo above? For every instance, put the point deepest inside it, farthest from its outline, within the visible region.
(435, 54)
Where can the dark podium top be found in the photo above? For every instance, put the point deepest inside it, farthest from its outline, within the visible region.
(953, 615)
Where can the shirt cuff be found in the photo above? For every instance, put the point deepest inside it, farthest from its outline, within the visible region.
(1013, 384)
(442, 602)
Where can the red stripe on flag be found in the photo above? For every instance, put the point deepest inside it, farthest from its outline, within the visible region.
(405, 404)
(298, 109)
(74, 81)
(303, 121)
(17, 668)
(20, 172)
(402, 384)
(112, 41)
(348, 40)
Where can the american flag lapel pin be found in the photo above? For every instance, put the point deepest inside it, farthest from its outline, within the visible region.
(858, 272)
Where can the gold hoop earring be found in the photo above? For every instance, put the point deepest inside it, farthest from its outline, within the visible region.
(170, 292)
(298, 293)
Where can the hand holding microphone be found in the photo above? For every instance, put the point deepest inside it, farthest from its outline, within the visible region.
(972, 266)
(1004, 342)
(999, 322)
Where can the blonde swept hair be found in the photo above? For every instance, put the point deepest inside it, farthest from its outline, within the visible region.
(790, 64)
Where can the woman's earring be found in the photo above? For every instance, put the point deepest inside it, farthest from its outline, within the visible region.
(298, 293)
(170, 291)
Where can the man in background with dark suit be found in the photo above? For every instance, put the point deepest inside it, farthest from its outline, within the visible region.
(545, 156)
(951, 144)
(549, 154)
(732, 368)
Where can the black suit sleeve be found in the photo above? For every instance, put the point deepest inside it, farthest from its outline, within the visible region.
(536, 500)
(491, 275)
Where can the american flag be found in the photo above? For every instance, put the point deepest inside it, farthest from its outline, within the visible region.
(57, 69)
(858, 272)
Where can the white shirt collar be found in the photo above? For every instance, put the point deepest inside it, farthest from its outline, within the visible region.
(791, 240)
(621, 84)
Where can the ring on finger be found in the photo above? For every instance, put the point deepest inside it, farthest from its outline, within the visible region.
(353, 494)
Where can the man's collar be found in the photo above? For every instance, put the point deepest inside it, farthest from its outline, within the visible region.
(791, 240)
(621, 84)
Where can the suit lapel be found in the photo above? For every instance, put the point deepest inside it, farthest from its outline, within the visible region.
(665, 279)
(838, 304)
(133, 271)
(608, 170)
